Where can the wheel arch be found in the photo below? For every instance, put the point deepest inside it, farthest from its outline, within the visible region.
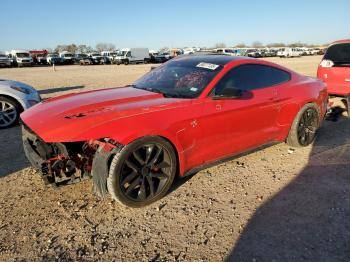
(285, 119)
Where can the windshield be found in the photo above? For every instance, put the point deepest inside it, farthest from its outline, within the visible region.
(2, 55)
(68, 55)
(52, 55)
(122, 53)
(339, 53)
(96, 54)
(179, 78)
(20, 55)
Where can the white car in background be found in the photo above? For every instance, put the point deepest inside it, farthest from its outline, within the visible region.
(110, 55)
(15, 97)
(227, 51)
(53, 59)
(67, 57)
(5, 60)
(289, 52)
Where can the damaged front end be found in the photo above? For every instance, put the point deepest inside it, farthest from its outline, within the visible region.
(68, 163)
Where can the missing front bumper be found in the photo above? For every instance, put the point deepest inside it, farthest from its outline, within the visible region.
(68, 163)
(57, 164)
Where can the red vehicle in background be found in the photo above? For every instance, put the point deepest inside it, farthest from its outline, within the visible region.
(334, 70)
(189, 113)
(39, 56)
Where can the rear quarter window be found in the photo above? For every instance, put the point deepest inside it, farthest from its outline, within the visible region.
(338, 53)
(278, 76)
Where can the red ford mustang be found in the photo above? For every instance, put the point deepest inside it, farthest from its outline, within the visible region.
(185, 115)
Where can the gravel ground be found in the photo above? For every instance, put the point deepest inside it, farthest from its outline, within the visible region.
(276, 204)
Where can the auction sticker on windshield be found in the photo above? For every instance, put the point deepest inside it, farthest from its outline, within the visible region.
(207, 65)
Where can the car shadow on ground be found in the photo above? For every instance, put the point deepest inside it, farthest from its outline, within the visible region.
(12, 156)
(309, 218)
(58, 89)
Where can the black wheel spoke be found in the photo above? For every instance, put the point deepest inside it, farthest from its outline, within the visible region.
(156, 156)
(132, 166)
(304, 119)
(132, 186)
(163, 165)
(149, 151)
(129, 178)
(151, 185)
(138, 157)
(302, 136)
(142, 192)
(160, 175)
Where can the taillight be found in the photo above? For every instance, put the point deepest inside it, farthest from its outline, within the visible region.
(326, 63)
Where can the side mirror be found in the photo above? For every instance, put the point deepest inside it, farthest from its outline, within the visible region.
(228, 93)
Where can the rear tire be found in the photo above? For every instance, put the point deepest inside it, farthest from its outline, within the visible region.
(303, 130)
(142, 172)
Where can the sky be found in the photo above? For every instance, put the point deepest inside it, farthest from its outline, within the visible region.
(155, 24)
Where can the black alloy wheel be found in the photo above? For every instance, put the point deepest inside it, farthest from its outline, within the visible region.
(142, 172)
(308, 125)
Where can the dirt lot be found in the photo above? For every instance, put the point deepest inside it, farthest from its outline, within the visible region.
(276, 204)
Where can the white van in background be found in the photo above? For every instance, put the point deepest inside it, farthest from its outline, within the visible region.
(132, 55)
(20, 58)
(289, 52)
(67, 57)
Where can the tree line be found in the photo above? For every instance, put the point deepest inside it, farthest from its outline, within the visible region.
(73, 48)
(258, 44)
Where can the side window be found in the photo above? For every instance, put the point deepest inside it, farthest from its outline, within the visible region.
(249, 77)
(128, 54)
(278, 76)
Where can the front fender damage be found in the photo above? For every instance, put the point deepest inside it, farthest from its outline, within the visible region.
(68, 163)
(100, 166)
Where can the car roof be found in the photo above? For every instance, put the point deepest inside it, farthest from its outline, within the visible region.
(210, 58)
(341, 41)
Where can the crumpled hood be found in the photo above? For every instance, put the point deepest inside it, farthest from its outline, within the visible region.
(65, 118)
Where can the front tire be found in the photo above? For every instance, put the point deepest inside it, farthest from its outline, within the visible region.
(142, 172)
(303, 130)
(9, 112)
